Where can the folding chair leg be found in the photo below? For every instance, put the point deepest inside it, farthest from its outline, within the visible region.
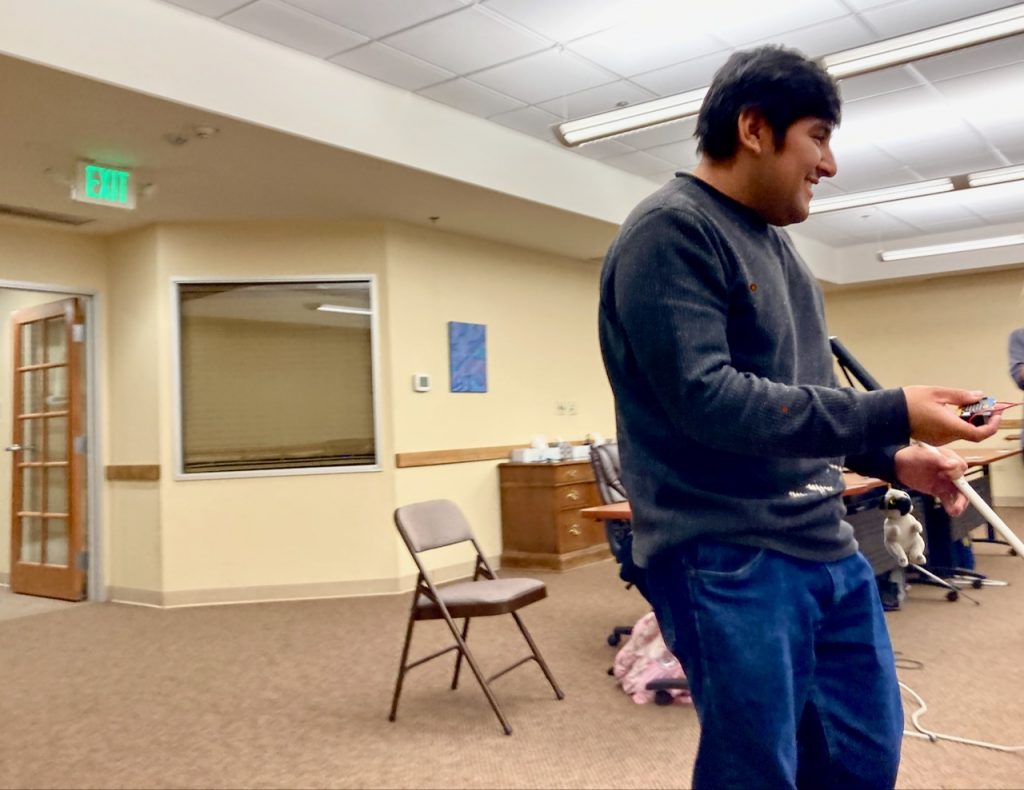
(458, 657)
(401, 669)
(476, 671)
(538, 657)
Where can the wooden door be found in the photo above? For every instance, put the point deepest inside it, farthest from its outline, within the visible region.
(48, 518)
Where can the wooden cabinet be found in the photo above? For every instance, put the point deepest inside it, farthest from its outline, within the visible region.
(541, 525)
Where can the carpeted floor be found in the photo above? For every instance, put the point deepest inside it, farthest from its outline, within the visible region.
(297, 695)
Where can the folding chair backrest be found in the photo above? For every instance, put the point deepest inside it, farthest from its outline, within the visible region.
(432, 524)
(605, 460)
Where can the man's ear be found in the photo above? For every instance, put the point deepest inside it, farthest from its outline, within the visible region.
(752, 131)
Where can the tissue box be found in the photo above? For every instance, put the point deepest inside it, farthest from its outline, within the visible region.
(528, 455)
(581, 452)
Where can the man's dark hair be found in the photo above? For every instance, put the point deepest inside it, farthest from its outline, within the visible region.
(782, 84)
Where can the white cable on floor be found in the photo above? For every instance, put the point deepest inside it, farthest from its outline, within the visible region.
(936, 736)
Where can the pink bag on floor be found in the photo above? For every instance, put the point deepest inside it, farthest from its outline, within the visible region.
(644, 658)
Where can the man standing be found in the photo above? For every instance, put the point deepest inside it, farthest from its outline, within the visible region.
(733, 434)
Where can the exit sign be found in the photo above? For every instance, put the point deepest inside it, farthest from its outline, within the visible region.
(104, 185)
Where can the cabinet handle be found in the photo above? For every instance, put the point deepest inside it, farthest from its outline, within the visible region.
(573, 473)
(574, 529)
(573, 494)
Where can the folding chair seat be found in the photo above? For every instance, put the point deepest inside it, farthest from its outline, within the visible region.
(436, 523)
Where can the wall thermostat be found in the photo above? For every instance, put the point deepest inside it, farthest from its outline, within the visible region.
(421, 382)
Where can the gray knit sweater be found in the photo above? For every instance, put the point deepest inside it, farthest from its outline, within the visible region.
(730, 423)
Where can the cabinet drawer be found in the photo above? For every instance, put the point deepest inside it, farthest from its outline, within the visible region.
(574, 496)
(574, 473)
(571, 532)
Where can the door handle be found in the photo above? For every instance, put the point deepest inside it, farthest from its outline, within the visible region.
(15, 448)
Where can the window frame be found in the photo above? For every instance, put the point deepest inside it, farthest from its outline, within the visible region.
(178, 424)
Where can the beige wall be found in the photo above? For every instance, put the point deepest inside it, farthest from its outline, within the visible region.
(949, 331)
(541, 317)
(33, 253)
(134, 540)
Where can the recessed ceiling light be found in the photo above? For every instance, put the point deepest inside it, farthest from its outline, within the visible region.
(956, 246)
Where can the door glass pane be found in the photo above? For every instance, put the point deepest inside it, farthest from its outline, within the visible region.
(56, 541)
(32, 344)
(56, 340)
(57, 389)
(32, 489)
(56, 489)
(31, 391)
(31, 539)
(57, 439)
(32, 439)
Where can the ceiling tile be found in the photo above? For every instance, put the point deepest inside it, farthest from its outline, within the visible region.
(470, 97)
(814, 229)
(375, 19)
(824, 39)
(639, 162)
(865, 224)
(681, 77)
(594, 100)
(531, 120)
(563, 20)
(862, 167)
(544, 76)
(602, 149)
(742, 29)
(212, 8)
(681, 154)
(878, 83)
(391, 66)
(467, 40)
(997, 200)
(663, 134)
(642, 46)
(931, 212)
(294, 28)
(985, 57)
(992, 101)
(907, 16)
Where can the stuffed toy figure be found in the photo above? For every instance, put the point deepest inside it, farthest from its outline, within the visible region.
(902, 532)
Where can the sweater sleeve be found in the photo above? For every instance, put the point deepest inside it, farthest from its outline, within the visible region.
(1017, 357)
(672, 291)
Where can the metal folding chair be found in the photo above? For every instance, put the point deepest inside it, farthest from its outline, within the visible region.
(436, 523)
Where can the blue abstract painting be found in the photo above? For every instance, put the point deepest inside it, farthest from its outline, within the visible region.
(467, 356)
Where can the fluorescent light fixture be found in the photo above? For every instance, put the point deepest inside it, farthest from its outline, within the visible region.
(875, 196)
(956, 246)
(339, 308)
(935, 41)
(849, 63)
(630, 119)
(999, 176)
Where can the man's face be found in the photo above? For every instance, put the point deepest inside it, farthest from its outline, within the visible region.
(793, 169)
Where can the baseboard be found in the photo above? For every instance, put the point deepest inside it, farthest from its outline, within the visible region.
(284, 592)
(5, 579)
(1008, 501)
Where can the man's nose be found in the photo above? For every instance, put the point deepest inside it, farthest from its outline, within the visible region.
(827, 166)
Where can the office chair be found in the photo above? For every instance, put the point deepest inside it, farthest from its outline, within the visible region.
(605, 460)
(431, 525)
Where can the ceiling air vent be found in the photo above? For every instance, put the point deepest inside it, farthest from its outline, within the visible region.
(45, 216)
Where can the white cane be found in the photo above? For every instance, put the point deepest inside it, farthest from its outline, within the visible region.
(982, 507)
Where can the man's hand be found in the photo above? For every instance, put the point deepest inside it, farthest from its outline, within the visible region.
(932, 471)
(932, 421)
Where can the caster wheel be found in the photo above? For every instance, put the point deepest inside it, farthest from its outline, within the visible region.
(611, 670)
(662, 697)
(952, 595)
(977, 584)
(614, 639)
(1013, 552)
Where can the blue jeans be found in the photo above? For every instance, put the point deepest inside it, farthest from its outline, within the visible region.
(789, 664)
